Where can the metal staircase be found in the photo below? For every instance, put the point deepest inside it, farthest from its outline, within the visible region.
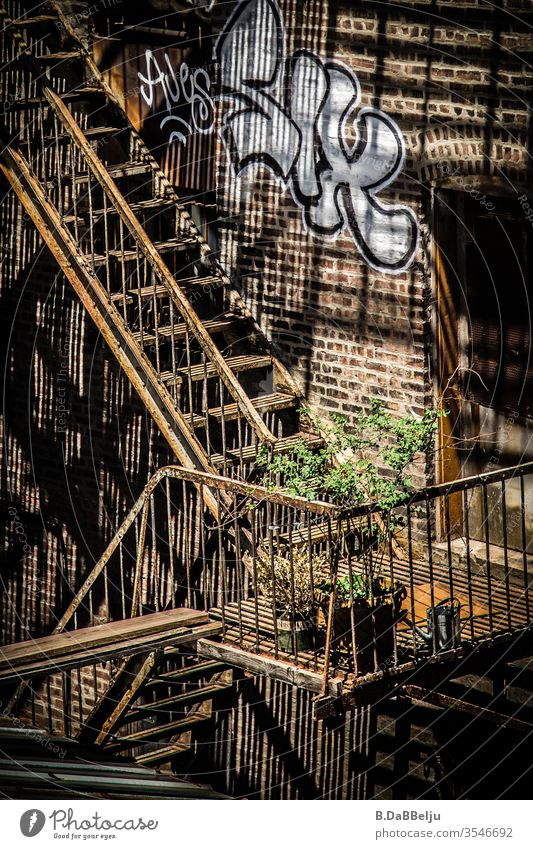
(163, 719)
(115, 226)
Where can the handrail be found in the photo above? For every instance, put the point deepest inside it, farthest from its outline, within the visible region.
(261, 493)
(437, 490)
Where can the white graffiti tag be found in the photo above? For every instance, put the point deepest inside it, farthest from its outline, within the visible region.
(303, 136)
(186, 90)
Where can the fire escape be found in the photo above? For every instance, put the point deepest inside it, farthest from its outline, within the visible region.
(179, 582)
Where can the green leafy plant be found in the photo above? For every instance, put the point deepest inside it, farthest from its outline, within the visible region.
(365, 461)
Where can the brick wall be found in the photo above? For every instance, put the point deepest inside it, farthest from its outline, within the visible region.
(77, 445)
(455, 76)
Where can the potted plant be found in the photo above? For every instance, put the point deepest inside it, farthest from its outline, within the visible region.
(366, 462)
(289, 580)
(363, 617)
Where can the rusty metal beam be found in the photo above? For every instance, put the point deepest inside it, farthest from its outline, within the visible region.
(422, 695)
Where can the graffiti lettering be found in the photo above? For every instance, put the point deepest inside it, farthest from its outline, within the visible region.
(169, 89)
(333, 161)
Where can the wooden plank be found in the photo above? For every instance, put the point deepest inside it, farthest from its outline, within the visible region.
(98, 635)
(262, 665)
(75, 659)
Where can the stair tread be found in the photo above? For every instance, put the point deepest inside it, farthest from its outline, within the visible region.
(139, 206)
(32, 21)
(67, 97)
(162, 247)
(161, 290)
(179, 331)
(61, 56)
(89, 133)
(163, 754)
(263, 404)
(236, 364)
(128, 169)
(173, 702)
(180, 675)
(147, 735)
(281, 446)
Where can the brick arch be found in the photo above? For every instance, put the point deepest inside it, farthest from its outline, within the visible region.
(445, 156)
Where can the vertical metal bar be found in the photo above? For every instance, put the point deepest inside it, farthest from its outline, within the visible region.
(487, 552)
(331, 609)
(189, 379)
(205, 405)
(207, 589)
(170, 526)
(106, 245)
(306, 520)
(431, 580)
(411, 575)
(122, 582)
(294, 635)
(187, 539)
(238, 564)
(176, 383)
(222, 562)
(136, 604)
(123, 271)
(506, 554)
(155, 571)
(466, 516)
(449, 554)
(57, 157)
(352, 613)
(390, 533)
(223, 426)
(524, 543)
(272, 575)
(252, 518)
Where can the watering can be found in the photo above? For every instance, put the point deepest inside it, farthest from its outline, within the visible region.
(443, 621)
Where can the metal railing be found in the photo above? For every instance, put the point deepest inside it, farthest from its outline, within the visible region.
(357, 590)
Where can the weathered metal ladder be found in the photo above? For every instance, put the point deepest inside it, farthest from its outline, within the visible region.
(134, 257)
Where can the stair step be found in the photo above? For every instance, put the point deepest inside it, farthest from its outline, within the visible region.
(178, 244)
(179, 331)
(161, 290)
(151, 735)
(236, 364)
(32, 21)
(183, 676)
(67, 97)
(264, 404)
(117, 172)
(140, 206)
(89, 133)
(62, 56)
(282, 446)
(162, 755)
(177, 702)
